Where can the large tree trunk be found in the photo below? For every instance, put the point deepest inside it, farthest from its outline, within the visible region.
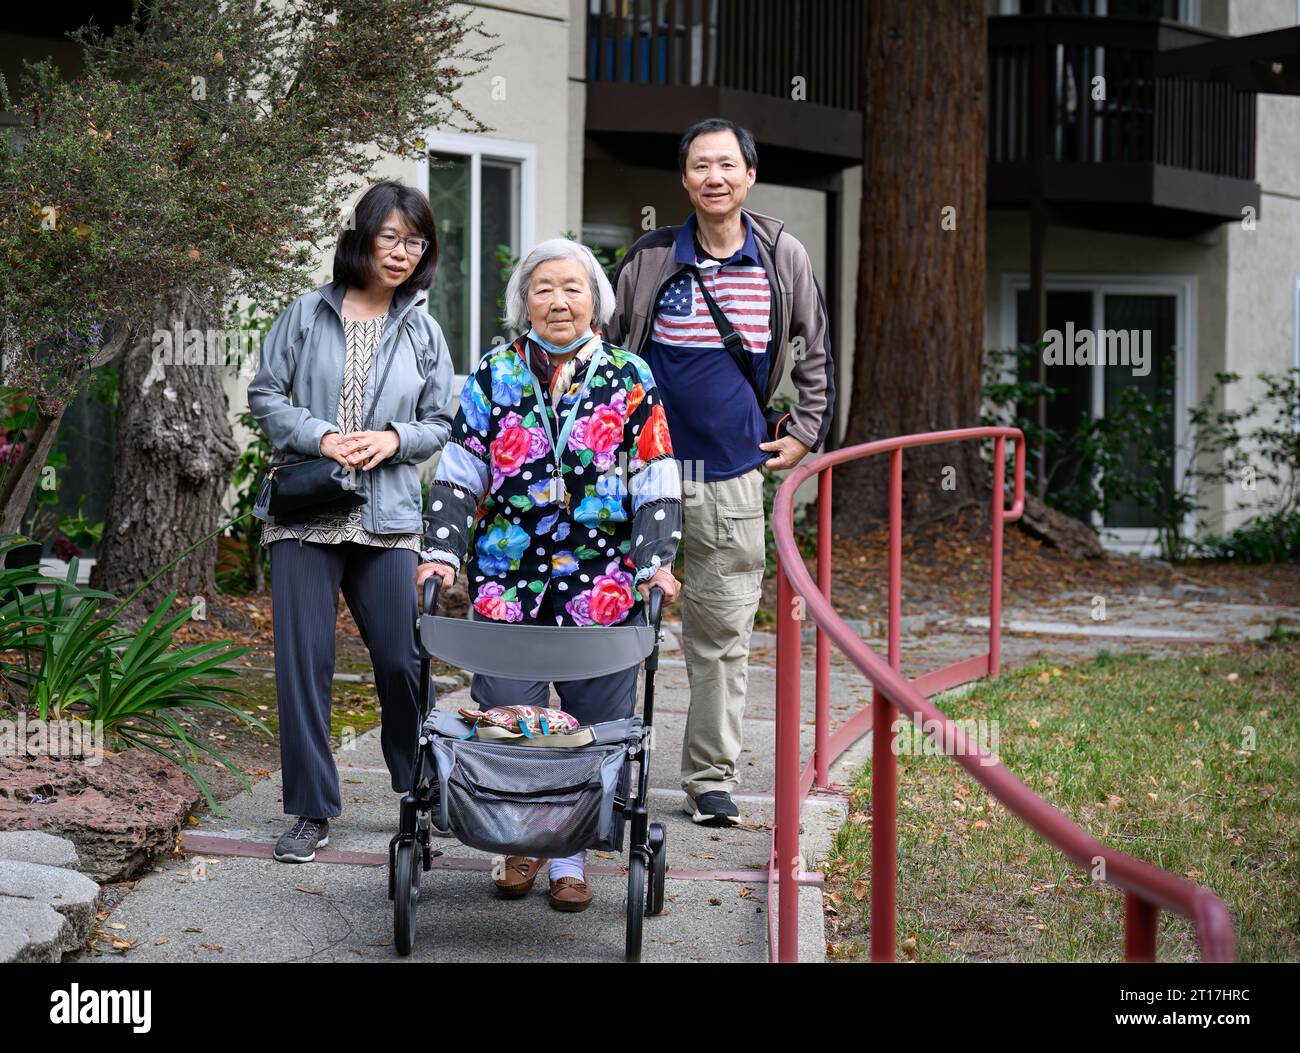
(920, 307)
(175, 452)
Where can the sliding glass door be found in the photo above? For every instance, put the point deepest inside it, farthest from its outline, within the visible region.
(1146, 317)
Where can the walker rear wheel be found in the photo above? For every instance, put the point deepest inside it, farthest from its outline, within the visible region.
(654, 903)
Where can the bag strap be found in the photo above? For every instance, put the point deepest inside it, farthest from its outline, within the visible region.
(731, 339)
(389, 365)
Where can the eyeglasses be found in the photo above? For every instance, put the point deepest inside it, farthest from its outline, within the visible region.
(415, 246)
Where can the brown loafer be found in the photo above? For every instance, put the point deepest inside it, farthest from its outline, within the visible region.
(570, 893)
(519, 874)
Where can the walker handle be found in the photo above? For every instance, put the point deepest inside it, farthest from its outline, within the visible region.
(654, 606)
(432, 585)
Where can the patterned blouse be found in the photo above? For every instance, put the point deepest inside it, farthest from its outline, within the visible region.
(566, 544)
(336, 527)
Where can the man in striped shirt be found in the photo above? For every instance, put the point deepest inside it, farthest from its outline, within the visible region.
(762, 285)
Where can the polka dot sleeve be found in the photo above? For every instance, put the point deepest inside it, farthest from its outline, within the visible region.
(461, 481)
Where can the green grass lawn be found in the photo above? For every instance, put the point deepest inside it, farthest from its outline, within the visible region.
(355, 706)
(1189, 763)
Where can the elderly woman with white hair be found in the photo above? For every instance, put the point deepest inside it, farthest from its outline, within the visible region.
(559, 493)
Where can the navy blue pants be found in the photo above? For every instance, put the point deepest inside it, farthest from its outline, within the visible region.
(591, 701)
(379, 586)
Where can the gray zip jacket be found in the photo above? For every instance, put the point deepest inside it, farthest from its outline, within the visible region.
(295, 395)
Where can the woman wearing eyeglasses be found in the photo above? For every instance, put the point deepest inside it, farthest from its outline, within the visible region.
(356, 371)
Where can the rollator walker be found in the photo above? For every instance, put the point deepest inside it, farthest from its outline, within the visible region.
(524, 797)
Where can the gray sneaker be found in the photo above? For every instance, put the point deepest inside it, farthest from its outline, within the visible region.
(300, 841)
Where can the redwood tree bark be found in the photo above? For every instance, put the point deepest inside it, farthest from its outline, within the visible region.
(920, 305)
(174, 455)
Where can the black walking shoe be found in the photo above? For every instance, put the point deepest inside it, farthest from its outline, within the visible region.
(714, 808)
(300, 841)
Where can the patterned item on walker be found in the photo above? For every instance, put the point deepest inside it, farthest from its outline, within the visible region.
(522, 723)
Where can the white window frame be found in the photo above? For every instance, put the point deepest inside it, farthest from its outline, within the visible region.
(1295, 351)
(477, 148)
(1183, 287)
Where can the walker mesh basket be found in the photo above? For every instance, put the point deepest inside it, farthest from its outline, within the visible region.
(513, 799)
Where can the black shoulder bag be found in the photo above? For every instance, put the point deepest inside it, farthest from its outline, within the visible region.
(777, 422)
(302, 490)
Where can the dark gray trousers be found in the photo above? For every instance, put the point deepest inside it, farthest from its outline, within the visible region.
(590, 701)
(600, 698)
(379, 586)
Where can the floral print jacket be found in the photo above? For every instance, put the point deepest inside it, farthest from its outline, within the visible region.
(493, 494)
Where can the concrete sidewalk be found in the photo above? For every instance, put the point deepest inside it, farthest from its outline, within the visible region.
(229, 901)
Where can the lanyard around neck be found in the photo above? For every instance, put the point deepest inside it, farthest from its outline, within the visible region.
(558, 445)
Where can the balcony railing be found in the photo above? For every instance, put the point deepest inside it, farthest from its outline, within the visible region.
(1083, 91)
(756, 46)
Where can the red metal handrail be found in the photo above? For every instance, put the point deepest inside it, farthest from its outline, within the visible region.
(1148, 889)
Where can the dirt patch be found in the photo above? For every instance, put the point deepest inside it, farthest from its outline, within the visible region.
(950, 571)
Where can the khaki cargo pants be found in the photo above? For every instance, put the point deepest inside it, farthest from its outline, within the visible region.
(723, 538)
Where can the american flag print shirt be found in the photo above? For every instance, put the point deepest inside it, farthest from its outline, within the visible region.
(742, 293)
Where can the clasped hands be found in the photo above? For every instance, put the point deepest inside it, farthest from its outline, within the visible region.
(360, 449)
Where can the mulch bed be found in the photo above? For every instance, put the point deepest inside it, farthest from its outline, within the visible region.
(949, 570)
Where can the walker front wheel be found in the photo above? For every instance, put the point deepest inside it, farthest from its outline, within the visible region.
(406, 880)
(635, 906)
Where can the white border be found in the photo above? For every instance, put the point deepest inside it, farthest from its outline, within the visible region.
(476, 148)
(1183, 287)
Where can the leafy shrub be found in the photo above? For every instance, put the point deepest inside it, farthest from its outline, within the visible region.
(1265, 539)
(1126, 454)
(67, 655)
